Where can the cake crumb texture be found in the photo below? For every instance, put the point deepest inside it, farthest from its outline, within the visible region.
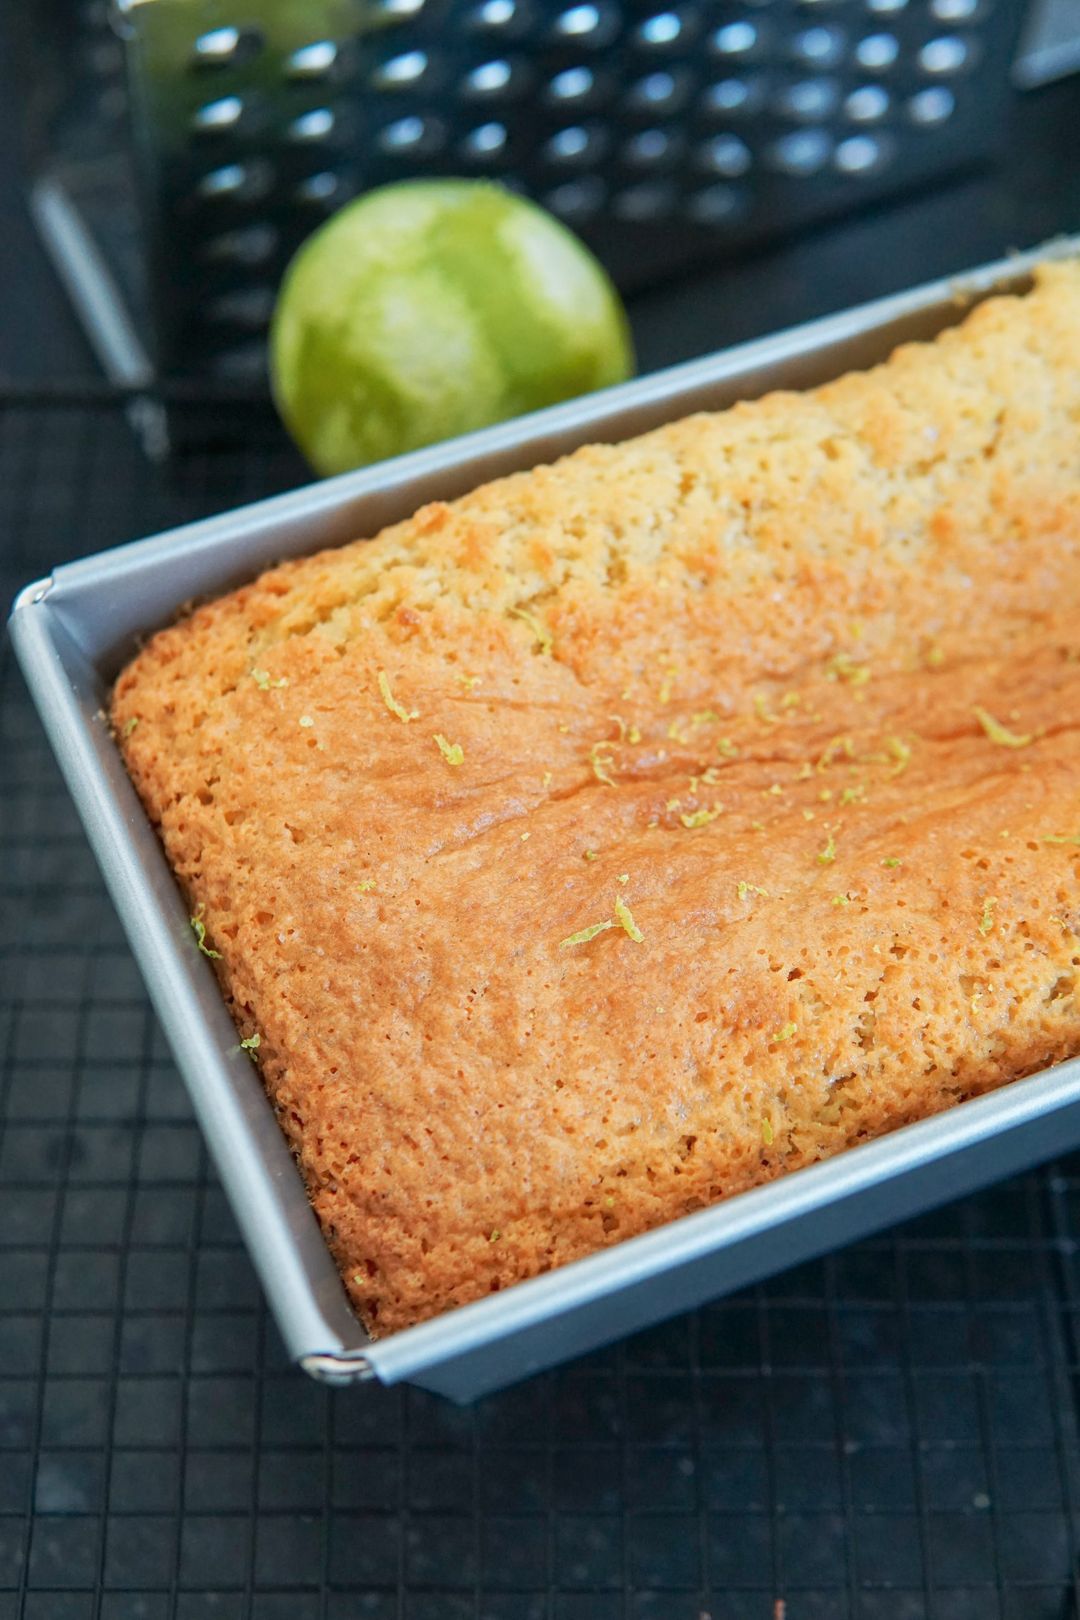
(639, 828)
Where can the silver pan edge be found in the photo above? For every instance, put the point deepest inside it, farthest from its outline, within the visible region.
(73, 631)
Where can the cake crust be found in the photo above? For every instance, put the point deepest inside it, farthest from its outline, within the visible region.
(791, 692)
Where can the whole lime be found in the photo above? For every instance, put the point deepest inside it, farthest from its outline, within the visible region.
(429, 308)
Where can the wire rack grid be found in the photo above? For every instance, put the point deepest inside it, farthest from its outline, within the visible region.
(888, 1434)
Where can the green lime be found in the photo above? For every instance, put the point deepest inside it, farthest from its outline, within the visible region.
(426, 309)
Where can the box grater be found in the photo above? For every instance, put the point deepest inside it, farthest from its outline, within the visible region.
(661, 133)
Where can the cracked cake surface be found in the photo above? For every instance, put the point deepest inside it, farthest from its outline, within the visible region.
(636, 829)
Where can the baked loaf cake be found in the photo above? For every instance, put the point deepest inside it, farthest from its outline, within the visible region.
(638, 828)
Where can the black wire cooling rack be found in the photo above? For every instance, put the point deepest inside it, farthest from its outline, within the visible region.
(889, 1434)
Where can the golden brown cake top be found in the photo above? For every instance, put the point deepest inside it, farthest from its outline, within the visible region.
(790, 692)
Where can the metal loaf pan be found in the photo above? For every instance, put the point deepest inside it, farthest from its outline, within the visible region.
(73, 631)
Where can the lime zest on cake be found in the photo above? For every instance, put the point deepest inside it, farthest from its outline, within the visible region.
(198, 928)
(453, 753)
(625, 918)
(786, 1031)
(998, 733)
(827, 855)
(583, 935)
(262, 680)
(702, 817)
(833, 748)
(397, 709)
(630, 734)
(844, 668)
(543, 635)
(601, 762)
(901, 753)
(129, 725)
(986, 921)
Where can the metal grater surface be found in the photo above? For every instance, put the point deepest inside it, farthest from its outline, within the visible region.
(887, 1434)
(661, 135)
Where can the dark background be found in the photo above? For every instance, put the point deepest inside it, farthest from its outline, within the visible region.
(1031, 194)
(888, 1434)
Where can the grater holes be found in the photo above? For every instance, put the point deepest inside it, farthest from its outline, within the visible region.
(226, 47)
(591, 25)
(312, 63)
(249, 308)
(248, 247)
(662, 93)
(577, 200)
(646, 203)
(859, 155)
(497, 80)
(499, 17)
(739, 40)
(822, 46)
(577, 144)
(715, 205)
(808, 100)
(801, 153)
(485, 143)
(313, 127)
(220, 117)
(324, 190)
(877, 52)
(412, 137)
(237, 182)
(664, 30)
(867, 103)
(724, 155)
(572, 85)
(399, 72)
(392, 11)
(732, 98)
(931, 107)
(651, 148)
(939, 58)
(957, 12)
